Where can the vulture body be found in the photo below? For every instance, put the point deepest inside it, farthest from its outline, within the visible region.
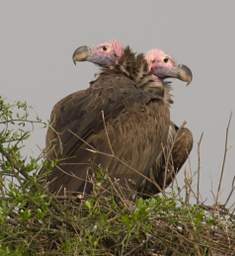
(174, 155)
(135, 128)
(180, 140)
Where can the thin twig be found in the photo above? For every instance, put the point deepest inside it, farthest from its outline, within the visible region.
(106, 132)
(121, 197)
(199, 167)
(22, 120)
(224, 159)
(188, 186)
(170, 154)
(231, 192)
(14, 164)
(81, 139)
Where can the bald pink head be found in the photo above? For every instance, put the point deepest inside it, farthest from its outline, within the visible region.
(156, 58)
(107, 53)
(163, 66)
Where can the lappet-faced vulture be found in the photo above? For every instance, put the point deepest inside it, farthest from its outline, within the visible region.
(136, 124)
(180, 139)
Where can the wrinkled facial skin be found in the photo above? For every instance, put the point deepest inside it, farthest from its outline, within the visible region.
(105, 54)
(163, 66)
(157, 59)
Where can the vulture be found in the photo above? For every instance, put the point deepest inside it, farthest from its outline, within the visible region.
(180, 139)
(122, 113)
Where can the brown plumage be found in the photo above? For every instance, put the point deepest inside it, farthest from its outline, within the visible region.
(169, 163)
(174, 154)
(137, 122)
(180, 140)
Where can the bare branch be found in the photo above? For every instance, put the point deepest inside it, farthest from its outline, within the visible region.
(170, 154)
(22, 120)
(224, 159)
(106, 132)
(199, 167)
(231, 192)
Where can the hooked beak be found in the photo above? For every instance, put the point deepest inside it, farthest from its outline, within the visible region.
(181, 72)
(81, 54)
(185, 73)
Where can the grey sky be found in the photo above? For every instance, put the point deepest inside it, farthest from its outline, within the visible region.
(39, 37)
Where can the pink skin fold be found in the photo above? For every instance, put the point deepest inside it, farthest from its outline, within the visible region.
(108, 54)
(156, 58)
(111, 51)
(164, 66)
(110, 48)
(105, 54)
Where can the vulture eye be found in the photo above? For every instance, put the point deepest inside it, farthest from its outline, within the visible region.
(104, 48)
(153, 61)
(166, 59)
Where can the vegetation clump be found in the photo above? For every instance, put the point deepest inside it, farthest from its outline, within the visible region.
(35, 222)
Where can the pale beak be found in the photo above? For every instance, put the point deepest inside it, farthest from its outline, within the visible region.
(81, 54)
(181, 72)
(185, 74)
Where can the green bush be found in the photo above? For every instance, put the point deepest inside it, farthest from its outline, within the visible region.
(34, 222)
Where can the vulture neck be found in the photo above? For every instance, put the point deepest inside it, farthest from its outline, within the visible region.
(154, 84)
(135, 68)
